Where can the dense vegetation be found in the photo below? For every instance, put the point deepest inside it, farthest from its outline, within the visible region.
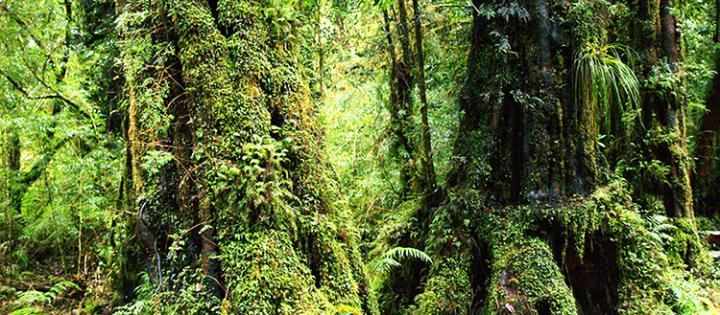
(359, 157)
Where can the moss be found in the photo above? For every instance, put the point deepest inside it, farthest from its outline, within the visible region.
(256, 165)
(447, 289)
(265, 275)
(526, 279)
(652, 257)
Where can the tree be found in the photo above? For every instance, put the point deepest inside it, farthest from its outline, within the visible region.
(226, 161)
(705, 178)
(535, 220)
(411, 147)
(663, 113)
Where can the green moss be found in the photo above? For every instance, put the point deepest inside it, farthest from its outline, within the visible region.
(526, 278)
(264, 275)
(652, 257)
(256, 161)
(447, 289)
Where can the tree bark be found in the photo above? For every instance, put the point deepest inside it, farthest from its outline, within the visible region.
(427, 159)
(244, 173)
(706, 176)
(663, 108)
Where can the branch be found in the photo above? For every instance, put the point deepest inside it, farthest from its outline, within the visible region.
(15, 84)
(54, 95)
(22, 24)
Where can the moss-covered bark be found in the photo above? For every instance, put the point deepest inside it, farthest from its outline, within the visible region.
(11, 161)
(706, 177)
(534, 221)
(663, 110)
(227, 165)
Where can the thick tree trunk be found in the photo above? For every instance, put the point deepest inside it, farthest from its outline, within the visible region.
(237, 170)
(525, 143)
(706, 177)
(527, 153)
(663, 108)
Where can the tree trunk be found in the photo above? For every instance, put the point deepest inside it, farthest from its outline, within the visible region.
(403, 147)
(706, 176)
(237, 169)
(663, 108)
(12, 200)
(12, 146)
(428, 167)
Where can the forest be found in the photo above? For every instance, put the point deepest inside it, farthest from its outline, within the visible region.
(348, 157)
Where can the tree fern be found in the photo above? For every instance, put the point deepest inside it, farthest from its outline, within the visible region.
(391, 259)
(604, 80)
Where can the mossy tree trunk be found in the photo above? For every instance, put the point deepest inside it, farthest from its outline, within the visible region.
(426, 160)
(12, 200)
(529, 167)
(12, 163)
(411, 146)
(706, 177)
(226, 161)
(404, 147)
(523, 139)
(535, 221)
(663, 110)
(524, 143)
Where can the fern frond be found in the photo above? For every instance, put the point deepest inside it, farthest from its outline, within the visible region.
(391, 259)
(27, 300)
(31, 297)
(409, 252)
(60, 288)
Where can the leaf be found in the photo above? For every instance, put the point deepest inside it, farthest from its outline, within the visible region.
(391, 258)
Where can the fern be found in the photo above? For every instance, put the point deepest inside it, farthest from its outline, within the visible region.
(603, 79)
(32, 297)
(661, 229)
(27, 311)
(28, 300)
(391, 259)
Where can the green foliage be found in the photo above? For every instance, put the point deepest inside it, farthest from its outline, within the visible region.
(303, 209)
(447, 290)
(155, 161)
(605, 84)
(392, 258)
(187, 300)
(33, 301)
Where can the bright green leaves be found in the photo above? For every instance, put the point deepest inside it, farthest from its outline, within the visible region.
(605, 84)
(392, 258)
(253, 191)
(154, 161)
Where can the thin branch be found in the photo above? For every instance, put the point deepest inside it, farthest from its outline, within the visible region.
(15, 84)
(54, 95)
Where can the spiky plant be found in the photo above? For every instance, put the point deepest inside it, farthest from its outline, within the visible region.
(604, 82)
